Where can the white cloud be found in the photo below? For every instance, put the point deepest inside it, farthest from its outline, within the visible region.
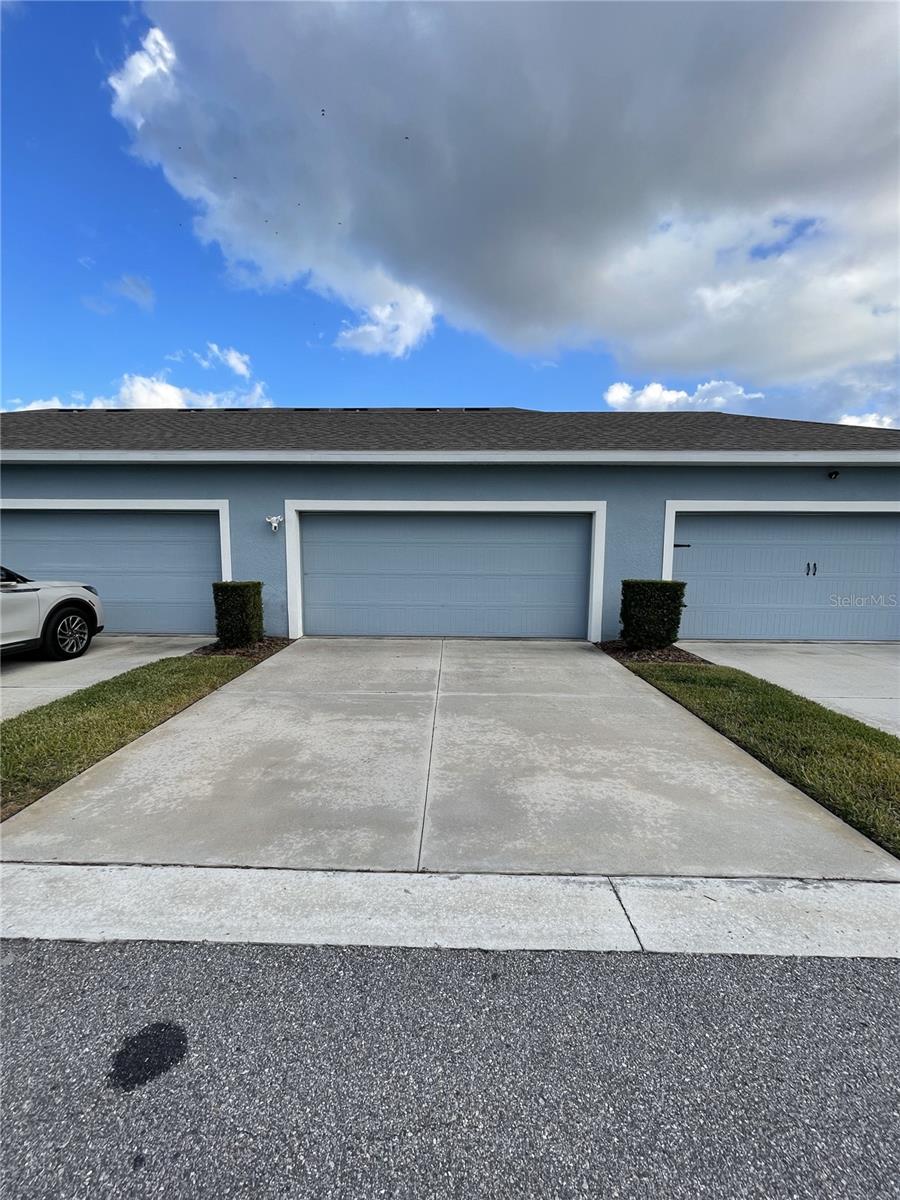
(86, 261)
(136, 289)
(874, 400)
(154, 391)
(653, 397)
(548, 176)
(394, 327)
(237, 362)
(98, 305)
(852, 394)
(130, 287)
(229, 357)
(148, 74)
(872, 420)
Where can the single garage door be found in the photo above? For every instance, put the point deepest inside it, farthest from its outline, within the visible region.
(445, 574)
(759, 576)
(153, 570)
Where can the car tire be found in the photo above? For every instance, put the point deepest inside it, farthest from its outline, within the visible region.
(67, 633)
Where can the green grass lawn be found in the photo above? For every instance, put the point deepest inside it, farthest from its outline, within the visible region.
(41, 749)
(850, 768)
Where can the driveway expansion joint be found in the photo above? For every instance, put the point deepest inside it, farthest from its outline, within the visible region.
(612, 884)
(437, 697)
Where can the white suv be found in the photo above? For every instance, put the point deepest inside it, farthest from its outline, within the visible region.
(61, 618)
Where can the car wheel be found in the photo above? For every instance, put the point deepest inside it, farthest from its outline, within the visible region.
(67, 634)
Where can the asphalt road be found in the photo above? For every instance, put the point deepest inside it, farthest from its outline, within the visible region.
(140, 1069)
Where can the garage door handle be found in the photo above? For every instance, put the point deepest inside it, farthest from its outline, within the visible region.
(815, 568)
(807, 568)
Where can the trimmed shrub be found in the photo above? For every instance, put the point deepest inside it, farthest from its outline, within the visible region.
(651, 612)
(239, 612)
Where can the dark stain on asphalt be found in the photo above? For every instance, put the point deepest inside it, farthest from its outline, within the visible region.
(138, 1161)
(151, 1052)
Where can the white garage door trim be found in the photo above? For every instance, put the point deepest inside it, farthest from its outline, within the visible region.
(119, 504)
(674, 507)
(293, 509)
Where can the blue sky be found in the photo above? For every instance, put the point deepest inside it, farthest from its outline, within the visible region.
(127, 253)
(74, 194)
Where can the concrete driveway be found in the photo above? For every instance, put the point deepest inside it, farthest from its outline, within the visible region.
(456, 756)
(28, 680)
(861, 679)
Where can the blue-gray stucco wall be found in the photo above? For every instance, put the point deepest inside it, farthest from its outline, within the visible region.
(635, 498)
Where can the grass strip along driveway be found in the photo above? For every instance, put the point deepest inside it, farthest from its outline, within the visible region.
(847, 766)
(46, 746)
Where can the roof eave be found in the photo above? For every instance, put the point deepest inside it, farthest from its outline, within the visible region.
(437, 457)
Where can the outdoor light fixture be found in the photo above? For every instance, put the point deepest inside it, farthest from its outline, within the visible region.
(833, 474)
(275, 522)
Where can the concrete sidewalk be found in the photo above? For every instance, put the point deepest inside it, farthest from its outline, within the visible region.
(458, 756)
(491, 912)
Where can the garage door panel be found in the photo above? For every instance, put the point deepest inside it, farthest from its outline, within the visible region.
(122, 582)
(439, 557)
(153, 570)
(136, 559)
(765, 592)
(489, 575)
(724, 561)
(409, 528)
(132, 616)
(170, 588)
(877, 562)
(788, 626)
(418, 620)
(470, 588)
(746, 576)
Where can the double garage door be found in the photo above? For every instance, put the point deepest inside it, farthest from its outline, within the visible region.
(446, 574)
(789, 577)
(153, 570)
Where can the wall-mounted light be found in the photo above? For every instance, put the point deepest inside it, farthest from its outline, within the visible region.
(275, 522)
(833, 474)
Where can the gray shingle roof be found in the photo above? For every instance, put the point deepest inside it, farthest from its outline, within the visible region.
(415, 429)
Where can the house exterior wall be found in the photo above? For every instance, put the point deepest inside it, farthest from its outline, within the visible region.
(635, 496)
